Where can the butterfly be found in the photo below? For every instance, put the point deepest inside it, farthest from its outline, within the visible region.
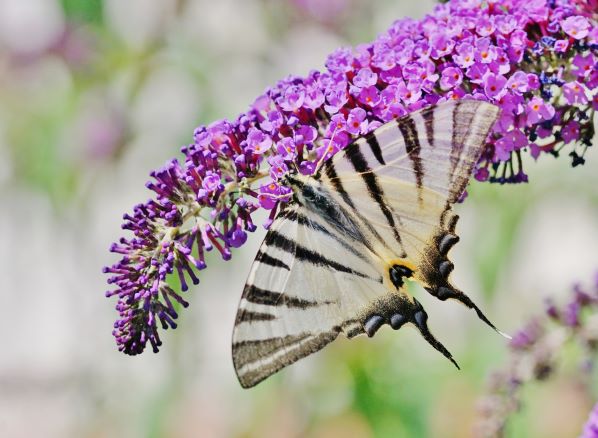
(337, 257)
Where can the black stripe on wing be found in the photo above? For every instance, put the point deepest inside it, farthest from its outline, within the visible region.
(353, 153)
(428, 116)
(304, 254)
(336, 183)
(257, 295)
(265, 357)
(409, 130)
(249, 316)
(463, 115)
(301, 219)
(372, 140)
(267, 259)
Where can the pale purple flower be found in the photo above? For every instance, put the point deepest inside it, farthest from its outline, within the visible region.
(341, 60)
(570, 132)
(518, 83)
(338, 123)
(392, 101)
(561, 46)
(485, 27)
(575, 93)
(584, 64)
(369, 96)
(357, 122)
(441, 45)
(274, 120)
(278, 167)
(501, 64)
(384, 58)
(577, 27)
(485, 52)
(314, 96)
(365, 78)
(533, 81)
(465, 55)
(538, 110)
(336, 99)
(258, 142)
(267, 196)
(494, 85)
(451, 77)
(505, 24)
(211, 182)
(305, 134)
(509, 142)
(286, 148)
(409, 93)
(476, 73)
(292, 99)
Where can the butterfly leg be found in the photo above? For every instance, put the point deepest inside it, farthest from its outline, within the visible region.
(398, 310)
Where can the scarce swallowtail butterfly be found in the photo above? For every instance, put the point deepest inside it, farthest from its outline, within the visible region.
(336, 258)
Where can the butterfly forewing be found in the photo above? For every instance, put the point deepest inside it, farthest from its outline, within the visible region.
(378, 212)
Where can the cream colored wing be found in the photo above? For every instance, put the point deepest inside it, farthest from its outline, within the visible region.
(335, 260)
(308, 284)
(402, 180)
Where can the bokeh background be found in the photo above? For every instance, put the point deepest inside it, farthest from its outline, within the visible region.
(96, 93)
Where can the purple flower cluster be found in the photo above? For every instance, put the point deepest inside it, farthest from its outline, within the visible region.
(536, 59)
(535, 351)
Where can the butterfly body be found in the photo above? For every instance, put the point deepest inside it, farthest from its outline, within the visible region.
(337, 257)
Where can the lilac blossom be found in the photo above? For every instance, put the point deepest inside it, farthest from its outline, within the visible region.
(535, 355)
(518, 54)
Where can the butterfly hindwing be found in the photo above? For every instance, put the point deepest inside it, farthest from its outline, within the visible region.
(335, 259)
(307, 285)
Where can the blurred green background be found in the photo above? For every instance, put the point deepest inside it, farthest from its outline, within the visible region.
(93, 95)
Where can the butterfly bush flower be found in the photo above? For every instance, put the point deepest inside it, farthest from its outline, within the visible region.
(535, 354)
(536, 59)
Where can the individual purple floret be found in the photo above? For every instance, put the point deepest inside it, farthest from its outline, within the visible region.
(536, 59)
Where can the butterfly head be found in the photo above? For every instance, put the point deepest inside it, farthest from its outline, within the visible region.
(306, 190)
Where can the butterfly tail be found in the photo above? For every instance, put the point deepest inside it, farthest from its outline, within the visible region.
(398, 309)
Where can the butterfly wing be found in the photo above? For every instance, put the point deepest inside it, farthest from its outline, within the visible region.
(403, 178)
(308, 284)
(325, 265)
